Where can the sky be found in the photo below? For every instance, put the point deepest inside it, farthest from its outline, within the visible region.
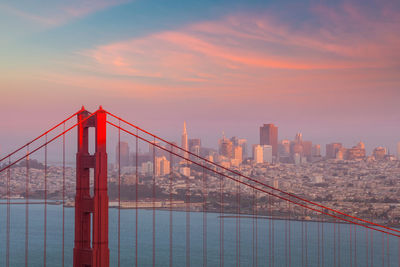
(328, 69)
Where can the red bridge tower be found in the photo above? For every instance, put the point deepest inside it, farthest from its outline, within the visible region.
(91, 212)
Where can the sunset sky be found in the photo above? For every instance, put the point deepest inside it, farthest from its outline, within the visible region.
(328, 69)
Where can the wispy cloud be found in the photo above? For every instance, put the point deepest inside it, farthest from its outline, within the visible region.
(55, 12)
(238, 45)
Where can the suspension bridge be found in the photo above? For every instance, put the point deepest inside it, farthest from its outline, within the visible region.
(220, 217)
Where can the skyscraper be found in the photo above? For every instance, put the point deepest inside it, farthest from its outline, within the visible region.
(332, 149)
(267, 153)
(162, 166)
(398, 150)
(257, 154)
(269, 136)
(185, 141)
(123, 156)
(226, 147)
(195, 146)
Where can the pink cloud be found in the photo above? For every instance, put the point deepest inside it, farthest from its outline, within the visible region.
(250, 45)
(59, 12)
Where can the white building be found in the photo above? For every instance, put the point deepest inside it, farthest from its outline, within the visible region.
(162, 166)
(267, 153)
(147, 168)
(257, 154)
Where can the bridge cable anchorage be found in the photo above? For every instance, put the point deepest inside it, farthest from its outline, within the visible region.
(273, 194)
(40, 136)
(249, 178)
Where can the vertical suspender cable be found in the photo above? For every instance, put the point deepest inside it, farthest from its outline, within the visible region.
(136, 198)
(318, 243)
(306, 239)
(302, 240)
(119, 193)
(322, 244)
(27, 208)
(154, 202)
(63, 197)
(372, 248)
(334, 243)
(286, 241)
(254, 232)
(205, 192)
(170, 209)
(339, 262)
(45, 205)
(366, 247)
(290, 235)
(383, 250)
(256, 216)
(387, 250)
(272, 221)
(187, 219)
(355, 245)
(221, 225)
(8, 215)
(350, 245)
(238, 226)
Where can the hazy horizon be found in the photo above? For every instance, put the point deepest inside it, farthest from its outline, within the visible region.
(329, 70)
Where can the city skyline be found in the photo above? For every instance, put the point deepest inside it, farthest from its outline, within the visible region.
(330, 72)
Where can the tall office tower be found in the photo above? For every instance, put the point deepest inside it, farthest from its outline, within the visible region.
(379, 153)
(267, 153)
(234, 140)
(355, 153)
(298, 138)
(360, 145)
(240, 142)
(243, 143)
(307, 148)
(185, 141)
(269, 136)
(316, 150)
(195, 146)
(162, 166)
(332, 149)
(398, 150)
(284, 148)
(225, 147)
(257, 154)
(238, 153)
(122, 157)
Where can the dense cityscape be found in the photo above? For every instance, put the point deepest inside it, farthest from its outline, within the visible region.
(346, 179)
